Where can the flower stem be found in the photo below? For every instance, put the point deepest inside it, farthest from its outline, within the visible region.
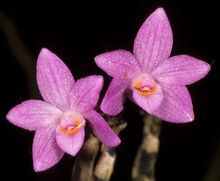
(105, 164)
(144, 164)
(84, 163)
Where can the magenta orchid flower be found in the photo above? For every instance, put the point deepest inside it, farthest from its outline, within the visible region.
(149, 77)
(59, 120)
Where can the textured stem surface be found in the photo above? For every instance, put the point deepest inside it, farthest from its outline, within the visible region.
(144, 164)
(84, 163)
(105, 165)
(106, 162)
(83, 169)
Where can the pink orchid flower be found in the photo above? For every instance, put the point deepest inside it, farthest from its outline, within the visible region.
(149, 77)
(59, 120)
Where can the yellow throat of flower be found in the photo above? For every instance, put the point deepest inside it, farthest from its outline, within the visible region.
(71, 123)
(145, 91)
(71, 130)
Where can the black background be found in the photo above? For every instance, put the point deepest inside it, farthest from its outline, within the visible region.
(77, 33)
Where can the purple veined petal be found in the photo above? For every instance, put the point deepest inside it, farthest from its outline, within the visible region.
(154, 41)
(119, 64)
(101, 129)
(112, 103)
(176, 106)
(54, 79)
(85, 93)
(46, 152)
(181, 70)
(70, 144)
(149, 103)
(33, 114)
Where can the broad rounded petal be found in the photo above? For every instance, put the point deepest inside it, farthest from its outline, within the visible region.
(149, 103)
(33, 114)
(120, 64)
(70, 144)
(85, 93)
(176, 106)
(114, 98)
(181, 70)
(101, 129)
(154, 41)
(54, 79)
(46, 152)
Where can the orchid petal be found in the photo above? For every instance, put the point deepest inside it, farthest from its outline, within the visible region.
(120, 64)
(149, 103)
(112, 103)
(181, 70)
(54, 79)
(33, 114)
(85, 93)
(101, 129)
(70, 144)
(46, 152)
(176, 106)
(153, 43)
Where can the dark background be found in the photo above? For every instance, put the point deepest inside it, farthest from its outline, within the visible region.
(77, 33)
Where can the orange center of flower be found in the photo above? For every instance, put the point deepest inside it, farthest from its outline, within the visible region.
(145, 85)
(71, 123)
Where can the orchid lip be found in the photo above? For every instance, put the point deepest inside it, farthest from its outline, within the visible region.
(71, 122)
(144, 84)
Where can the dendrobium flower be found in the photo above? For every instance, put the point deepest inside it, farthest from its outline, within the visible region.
(149, 77)
(60, 119)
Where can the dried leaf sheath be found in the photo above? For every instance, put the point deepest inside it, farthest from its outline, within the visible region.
(144, 164)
